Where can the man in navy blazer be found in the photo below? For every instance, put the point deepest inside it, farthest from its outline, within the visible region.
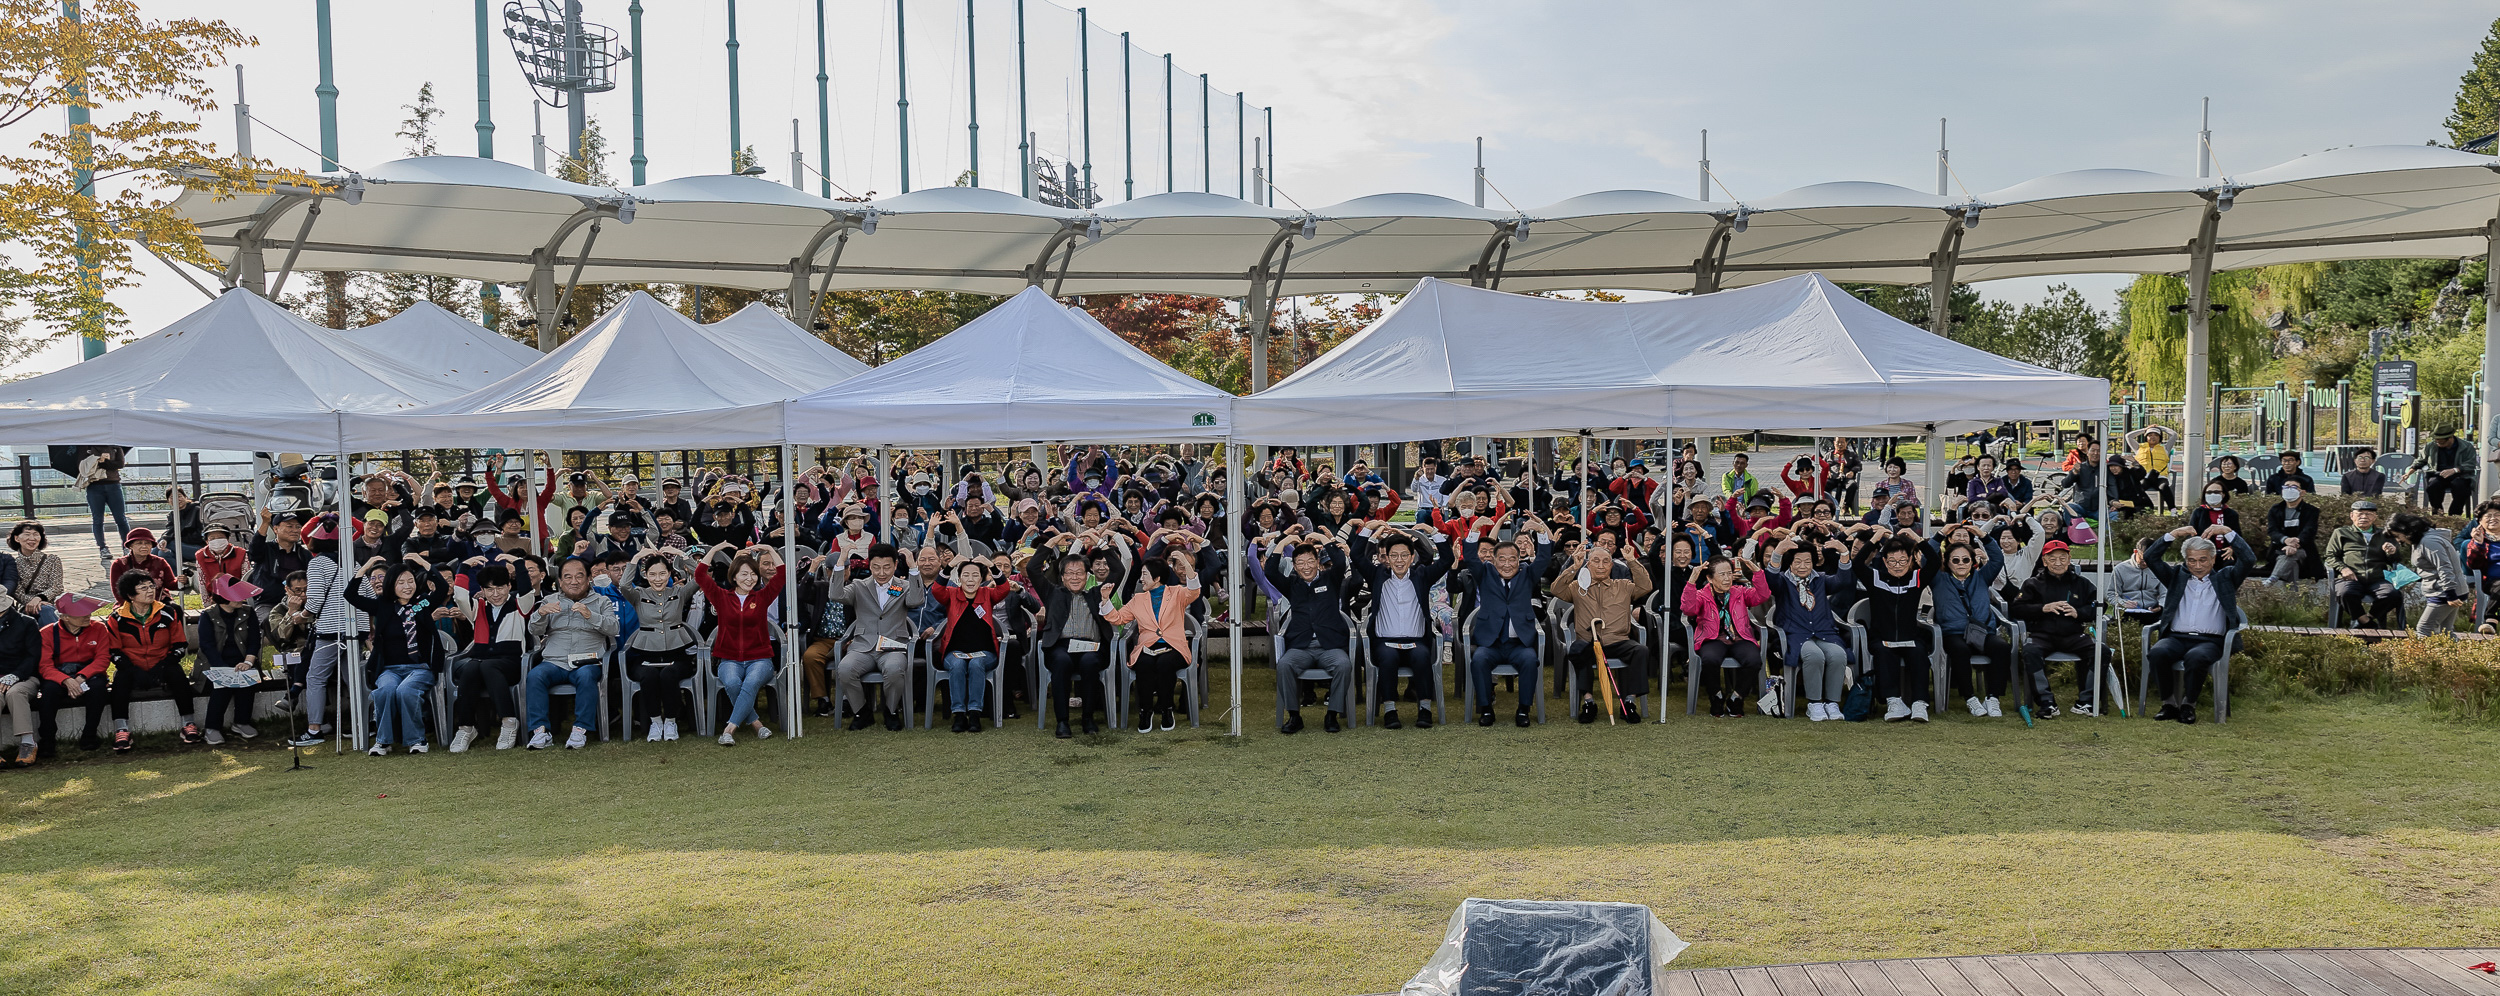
(2204, 604)
(1505, 621)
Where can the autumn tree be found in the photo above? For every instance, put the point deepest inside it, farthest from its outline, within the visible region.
(78, 202)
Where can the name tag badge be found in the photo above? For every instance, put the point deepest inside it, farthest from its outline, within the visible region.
(1083, 646)
(1320, 590)
(981, 611)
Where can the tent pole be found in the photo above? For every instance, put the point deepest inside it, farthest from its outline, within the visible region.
(1232, 568)
(2100, 536)
(2489, 416)
(349, 661)
(529, 506)
(1936, 461)
(2199, 414)
(885, 509)
(790, 711)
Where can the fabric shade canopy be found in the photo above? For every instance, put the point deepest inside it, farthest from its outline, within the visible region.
(1029, 370)
(641, 377)
(482, 219)
(430, 338)
(240, 373)
(761, 336)
(1796, 354)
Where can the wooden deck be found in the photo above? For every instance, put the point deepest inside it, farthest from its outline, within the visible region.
(2299, 972)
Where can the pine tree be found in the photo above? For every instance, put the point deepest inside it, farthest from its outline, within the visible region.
(589, 163)
(2478, 94)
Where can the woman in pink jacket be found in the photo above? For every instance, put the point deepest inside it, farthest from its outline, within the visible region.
(1727, 653)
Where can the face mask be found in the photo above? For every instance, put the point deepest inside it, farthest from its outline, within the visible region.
(219, 544)
(2291, 494)
(1586, 579)
(2213, 498)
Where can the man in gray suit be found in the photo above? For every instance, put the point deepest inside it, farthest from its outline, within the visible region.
(880, 636)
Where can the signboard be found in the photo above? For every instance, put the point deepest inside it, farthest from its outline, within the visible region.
(2391, 381)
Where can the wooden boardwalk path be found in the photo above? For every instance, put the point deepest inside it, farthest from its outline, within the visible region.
(2295, 972)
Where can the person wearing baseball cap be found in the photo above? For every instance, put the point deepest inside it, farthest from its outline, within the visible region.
(139, 554)
(2358, 556)
(2056, 607)
(75, 655)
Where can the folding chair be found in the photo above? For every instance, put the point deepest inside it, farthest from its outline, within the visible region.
(2222, 673)
(1368, 668)
(698, 686)
(1467, 667)
(997, 680)
(1284, 703)
(1640, 635)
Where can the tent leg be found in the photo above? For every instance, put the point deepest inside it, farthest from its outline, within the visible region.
(790, 709)
(1232, 569)
(885, 509)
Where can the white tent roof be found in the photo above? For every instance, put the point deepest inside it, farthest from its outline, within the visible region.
(760, 335)
(430, 338)
(240, 373)
(641, 377)
(1029, 370)
(1797, 354)
(482, 219)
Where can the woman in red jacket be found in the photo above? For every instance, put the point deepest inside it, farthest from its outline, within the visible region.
(742, 647)
(969, 641)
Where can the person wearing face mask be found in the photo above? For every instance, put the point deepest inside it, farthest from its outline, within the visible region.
(2215, 510)
(2292, 536)
(1808, 617)
(218, 558)
(2203, 604)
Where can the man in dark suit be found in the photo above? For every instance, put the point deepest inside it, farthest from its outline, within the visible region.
(2203, 606)
(1401, 625)
(1309, 571)
(1505, 619)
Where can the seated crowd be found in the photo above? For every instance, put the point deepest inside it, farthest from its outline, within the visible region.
(643, 610)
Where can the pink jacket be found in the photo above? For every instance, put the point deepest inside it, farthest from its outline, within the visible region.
(1703, 607)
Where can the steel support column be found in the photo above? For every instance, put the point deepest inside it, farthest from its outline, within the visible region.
(2199, 390)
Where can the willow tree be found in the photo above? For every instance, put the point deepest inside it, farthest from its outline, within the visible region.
(2154, 312)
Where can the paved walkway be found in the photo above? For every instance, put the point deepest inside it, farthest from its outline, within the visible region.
(2301, 972)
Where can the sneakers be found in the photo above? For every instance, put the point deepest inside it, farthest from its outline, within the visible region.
(509, 734)
(27, 754)
(671, 732)
(658, 727)
(417, 748)
(211, 737)
(1718, 704)
(1145, 721)
(577, 739)
(763, 732)
(2049, 711)
(1918, 712)
(379, 749)
(462, 738)
(1994, 708)
(191, 733)
(1896, 710)
(541, 740)
(729, 736)
(1167, 721)
(2086, 709)
(311, 738)
(1975, 707)
(1815, 712)
(1423, 718)
(123, 741)
(244, 730)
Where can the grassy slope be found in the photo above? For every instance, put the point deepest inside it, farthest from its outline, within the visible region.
(1313, 864)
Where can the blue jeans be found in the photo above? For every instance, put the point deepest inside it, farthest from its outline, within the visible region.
(1506, 651)
(584, 681)
(968, 680)
(399, 704)
(741, 680)
(102, 496)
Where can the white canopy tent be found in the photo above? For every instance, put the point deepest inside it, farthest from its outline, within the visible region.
(641, 377)
(1029, 370)
(1797, 354)
(241, 373)
(760, 335)
(429, 337)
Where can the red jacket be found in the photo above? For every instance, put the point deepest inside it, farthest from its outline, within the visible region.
(85, 652)
(958, 602)
(150, 641)
(1455, 526)
(154, 563)
(744, 634)
(212, 566)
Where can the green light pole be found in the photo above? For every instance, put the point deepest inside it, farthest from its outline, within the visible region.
(326, 91)
(824, 112)
(485, 91)
(902, 97)
(972, 93)
(633, 12)
(90, 336)
(734, 143)
(1085, 90)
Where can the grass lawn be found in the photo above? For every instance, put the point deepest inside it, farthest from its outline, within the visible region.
(1193, 862)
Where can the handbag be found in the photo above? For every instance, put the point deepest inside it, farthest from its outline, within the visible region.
(1858, 704)
(1770, 703)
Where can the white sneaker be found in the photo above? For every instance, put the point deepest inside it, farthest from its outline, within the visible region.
(729, 737)
(658, 727)
(378, 750)
(211, 737)
(416, 748)
(462, 738)
(1994, 710)
(244, 730)
(1918, 711)
(1895, 710)
(671, 732)
(511, 732)
(763, 733)
(580, 736)
(1975, 707)
(1814, 711)
(2085, 710)
(541, 740)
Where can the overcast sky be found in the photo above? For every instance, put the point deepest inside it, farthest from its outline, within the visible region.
(1389, 95)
